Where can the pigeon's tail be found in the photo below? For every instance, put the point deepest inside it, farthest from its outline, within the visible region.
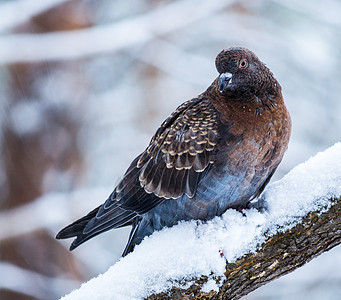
(76, 230)
(96, 222)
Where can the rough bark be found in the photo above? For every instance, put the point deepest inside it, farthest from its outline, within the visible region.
(282, 253)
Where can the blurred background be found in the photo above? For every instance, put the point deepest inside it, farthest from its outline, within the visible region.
(85, 83)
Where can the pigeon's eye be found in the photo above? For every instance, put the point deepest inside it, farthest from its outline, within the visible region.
(243, 64)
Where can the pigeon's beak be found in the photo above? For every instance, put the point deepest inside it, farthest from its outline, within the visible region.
(224, 80)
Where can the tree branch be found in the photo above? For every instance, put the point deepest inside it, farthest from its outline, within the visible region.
(282, 253)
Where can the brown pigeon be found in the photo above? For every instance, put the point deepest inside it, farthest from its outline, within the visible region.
(214, 152)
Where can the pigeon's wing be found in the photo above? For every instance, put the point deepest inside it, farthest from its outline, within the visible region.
(177, 157)
(180, 151)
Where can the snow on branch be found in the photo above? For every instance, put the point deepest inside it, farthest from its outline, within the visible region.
(107, 38)
(280, 254)
(235, 253)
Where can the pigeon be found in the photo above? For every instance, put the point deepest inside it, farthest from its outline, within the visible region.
(215, 152)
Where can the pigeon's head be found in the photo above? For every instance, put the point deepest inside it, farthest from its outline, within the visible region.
(242, 74)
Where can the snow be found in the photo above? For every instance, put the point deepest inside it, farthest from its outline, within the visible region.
(209, 286)
(191, 249)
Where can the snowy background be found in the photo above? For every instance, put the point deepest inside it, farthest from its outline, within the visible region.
(84, 86)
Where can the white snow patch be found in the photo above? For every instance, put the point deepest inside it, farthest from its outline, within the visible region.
(190, 250)
(209, 286)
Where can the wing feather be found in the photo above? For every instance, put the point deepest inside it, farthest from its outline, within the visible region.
(183, 146)
(172, 165)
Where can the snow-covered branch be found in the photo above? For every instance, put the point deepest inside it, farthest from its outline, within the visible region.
(235, 253)
(280, 254)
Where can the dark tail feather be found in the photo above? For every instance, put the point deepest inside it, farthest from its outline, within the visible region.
(76, 227)
(92, 225)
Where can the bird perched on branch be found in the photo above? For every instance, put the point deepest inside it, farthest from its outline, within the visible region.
(214, 152)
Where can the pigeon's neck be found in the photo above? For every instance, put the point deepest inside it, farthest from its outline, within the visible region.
(250, 104)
